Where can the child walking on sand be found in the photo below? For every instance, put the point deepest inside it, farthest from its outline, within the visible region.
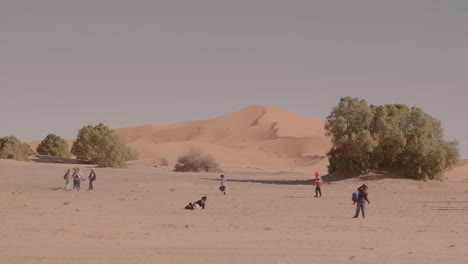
(67, 177)
(77, 177)
(222, 188)
(361, 201)
(318, 185)
(92, 178)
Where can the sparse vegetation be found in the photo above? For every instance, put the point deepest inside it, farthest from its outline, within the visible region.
(54, 145)
(389, 136)
(13, 148)
(101, 146)
(196, 161)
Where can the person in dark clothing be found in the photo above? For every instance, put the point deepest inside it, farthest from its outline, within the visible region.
(92, 178)
(197, 205)
(77, 177)
(222, 188)
(361, 202)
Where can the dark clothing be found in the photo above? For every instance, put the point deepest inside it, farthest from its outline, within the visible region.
(76, 184)
(201, 203)
(191, 205)
(92, 177)
(361, 202)
(318, 191)
(362, 198)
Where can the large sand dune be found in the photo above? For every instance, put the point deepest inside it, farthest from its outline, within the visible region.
(261, 136)
(257, 136)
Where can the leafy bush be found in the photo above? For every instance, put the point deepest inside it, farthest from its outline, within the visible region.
(101, 146)
(196, 161)
(55, 146)
(12, 148)
(389, 136)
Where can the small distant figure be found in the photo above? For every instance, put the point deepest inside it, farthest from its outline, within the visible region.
(92, 178)
(361, 201)
(222, 188)
(318, 185)
(67, 177)
(197, 205)
(77, 177)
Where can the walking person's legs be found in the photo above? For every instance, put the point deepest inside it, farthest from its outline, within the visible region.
(316, 191)
(76, 185)
(358, 208)
(363, 209)
(320, 190)
(90, 185)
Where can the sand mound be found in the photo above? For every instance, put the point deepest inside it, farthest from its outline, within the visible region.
(260, 136)
(459, 172)
(256, 135)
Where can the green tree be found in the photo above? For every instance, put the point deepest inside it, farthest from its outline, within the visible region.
(426, 155)
(389, 136)
(387, 130)
(12, 148)
(349, 125)
(53, 145)
(100, 145)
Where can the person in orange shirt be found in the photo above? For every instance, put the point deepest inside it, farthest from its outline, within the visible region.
(318, 185)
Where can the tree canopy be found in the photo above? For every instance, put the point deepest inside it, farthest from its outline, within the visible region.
(53, 145)
(388, 136)
(100, 145)
(13, 148)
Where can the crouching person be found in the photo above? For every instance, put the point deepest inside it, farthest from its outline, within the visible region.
(197, 205)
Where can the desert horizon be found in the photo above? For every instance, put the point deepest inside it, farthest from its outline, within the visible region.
(268, 215)
(276, 132)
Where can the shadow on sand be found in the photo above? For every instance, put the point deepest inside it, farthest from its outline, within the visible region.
(280, 182)
(49, 159)
(328, 178)
(373, 176)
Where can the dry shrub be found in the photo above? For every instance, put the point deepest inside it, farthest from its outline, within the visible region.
(196, 161)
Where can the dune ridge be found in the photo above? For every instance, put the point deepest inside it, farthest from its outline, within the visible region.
(254, 136)
(259, 136)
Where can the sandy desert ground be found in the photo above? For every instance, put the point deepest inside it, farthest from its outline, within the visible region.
(136, 215)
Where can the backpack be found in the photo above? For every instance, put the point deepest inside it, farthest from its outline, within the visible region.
(355, 197)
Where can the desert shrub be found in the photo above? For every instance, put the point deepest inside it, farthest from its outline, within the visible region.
(389, 136)
(196, 161)
(101, 146)
(13, 148)
(53, 145)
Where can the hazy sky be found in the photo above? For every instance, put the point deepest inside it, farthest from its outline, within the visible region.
(66, 64)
